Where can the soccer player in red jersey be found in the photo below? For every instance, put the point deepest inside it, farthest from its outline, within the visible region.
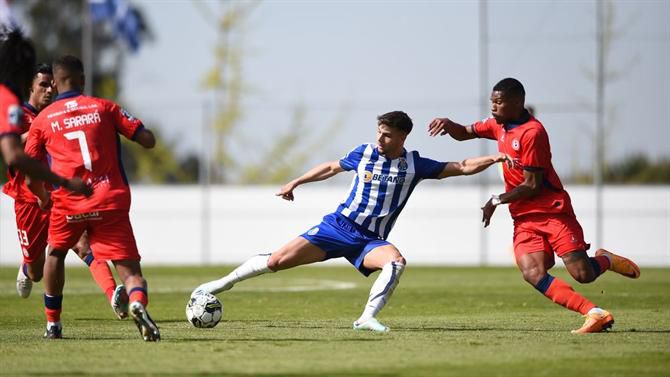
(17, 59)
(544, 220)
(81, 134)
(32, 221)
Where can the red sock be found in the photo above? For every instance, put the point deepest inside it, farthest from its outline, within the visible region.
(139, 294)
(603, 264)
(103, 277)
(563, 294)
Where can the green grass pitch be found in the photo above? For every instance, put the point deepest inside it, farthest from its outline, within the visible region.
(444, 322)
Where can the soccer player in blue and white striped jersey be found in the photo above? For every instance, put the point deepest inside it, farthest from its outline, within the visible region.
(385, 175)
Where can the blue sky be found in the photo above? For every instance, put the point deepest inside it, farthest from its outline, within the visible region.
(421, 57)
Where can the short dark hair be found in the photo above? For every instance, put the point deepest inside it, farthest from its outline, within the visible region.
(396, 119)
(510, 86)
(43, 68)
(70, 63)
(17, 58)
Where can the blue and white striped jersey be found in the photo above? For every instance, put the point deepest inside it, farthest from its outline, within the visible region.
(380, 189)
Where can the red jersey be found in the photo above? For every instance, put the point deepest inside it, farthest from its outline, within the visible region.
(81, 135)
(10, 112)
(15, 186)
(528, 145)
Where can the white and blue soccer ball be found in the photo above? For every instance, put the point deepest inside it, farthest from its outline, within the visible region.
(204, 310)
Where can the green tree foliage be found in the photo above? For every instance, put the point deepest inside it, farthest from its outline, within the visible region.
(288, 151)
(636, 169)
(56, 29)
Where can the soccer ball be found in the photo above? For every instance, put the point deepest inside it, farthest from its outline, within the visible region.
(204, 310)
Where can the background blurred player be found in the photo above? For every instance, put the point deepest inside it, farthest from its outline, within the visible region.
(544, 221)
(386, 175)
(17, 60)
(80, 133)
(32, 222)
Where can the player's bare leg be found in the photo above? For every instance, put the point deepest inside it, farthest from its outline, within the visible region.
(533, 266)
(388, 259)
(101, 273)
(130, 273)
(297, 252)
(27, 274)
(54, 280)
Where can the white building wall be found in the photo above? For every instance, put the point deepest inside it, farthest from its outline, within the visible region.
(440, 224)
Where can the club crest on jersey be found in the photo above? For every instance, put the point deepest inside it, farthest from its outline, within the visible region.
(515, 144)
(127, 114)
(402, 164)
(71, 105)
(14, 115)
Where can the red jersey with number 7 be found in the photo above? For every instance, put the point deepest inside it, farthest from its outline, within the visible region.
(527, 143)
(81, 135)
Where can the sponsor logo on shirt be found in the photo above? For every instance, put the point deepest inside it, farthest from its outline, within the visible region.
(83, 217)
(71, 105)
(369, 177)
(127, 115)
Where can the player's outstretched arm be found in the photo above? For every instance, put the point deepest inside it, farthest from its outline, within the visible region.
(145, 138)
(317, 173)
(443, 126)
(14, 156)
(472, 166)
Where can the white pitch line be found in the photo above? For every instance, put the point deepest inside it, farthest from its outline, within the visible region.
(302, 285)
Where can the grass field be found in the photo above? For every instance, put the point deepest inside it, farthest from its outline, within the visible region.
(444, 321)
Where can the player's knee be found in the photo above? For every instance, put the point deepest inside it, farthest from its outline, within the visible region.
(275, 262)
(401, 260)
(533, 275)
(35, 276)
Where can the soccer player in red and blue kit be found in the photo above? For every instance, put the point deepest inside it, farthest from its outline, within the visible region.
(17, 59)
(32, 221)
(81, 135)
(544, 220)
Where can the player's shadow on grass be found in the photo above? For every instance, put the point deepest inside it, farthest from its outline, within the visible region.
(274, 340)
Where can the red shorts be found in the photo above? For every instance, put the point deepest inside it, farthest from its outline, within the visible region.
(32, 226)
(109, 233)
(553, 233)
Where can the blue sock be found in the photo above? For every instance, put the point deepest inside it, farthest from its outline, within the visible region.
(544, 283)
(89, 259)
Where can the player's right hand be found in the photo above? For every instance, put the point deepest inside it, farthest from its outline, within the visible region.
(438, 126)
(286, 192)
(78, 186)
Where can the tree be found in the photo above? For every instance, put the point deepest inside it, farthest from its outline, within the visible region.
(289, 150)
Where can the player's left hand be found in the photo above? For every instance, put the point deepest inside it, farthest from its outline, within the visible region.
(487, 212)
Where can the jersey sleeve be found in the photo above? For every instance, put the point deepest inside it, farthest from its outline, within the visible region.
(35, 143)
(351, 160)
(126, 124)
(535, 151)
(485, 129)
(426, 168)
(11, 117)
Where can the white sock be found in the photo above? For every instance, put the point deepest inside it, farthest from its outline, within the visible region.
(255, 266)
(382, 289)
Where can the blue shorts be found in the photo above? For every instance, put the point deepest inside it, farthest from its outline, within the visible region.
(340, 237)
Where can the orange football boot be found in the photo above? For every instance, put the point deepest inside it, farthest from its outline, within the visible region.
(596, 322)
(621, 265)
